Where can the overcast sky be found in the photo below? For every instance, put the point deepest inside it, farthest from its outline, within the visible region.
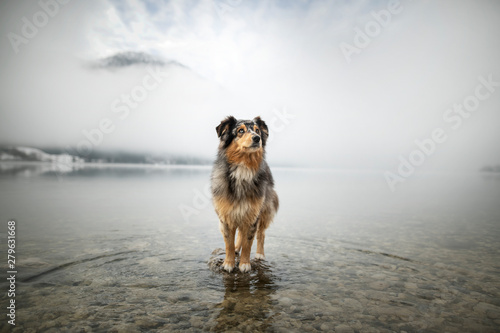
(347, 84)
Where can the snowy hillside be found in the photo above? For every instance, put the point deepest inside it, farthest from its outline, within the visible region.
(36, 155)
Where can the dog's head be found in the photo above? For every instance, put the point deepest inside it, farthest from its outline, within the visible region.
(246, 136)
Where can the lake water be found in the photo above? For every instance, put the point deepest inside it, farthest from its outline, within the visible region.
(137, 249)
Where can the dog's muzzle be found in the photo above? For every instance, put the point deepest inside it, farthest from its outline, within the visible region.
(255, 142)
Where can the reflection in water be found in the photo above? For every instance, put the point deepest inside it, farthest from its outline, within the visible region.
(247, 300)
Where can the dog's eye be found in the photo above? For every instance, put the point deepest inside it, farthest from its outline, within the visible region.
(257, 131)
(241, 131)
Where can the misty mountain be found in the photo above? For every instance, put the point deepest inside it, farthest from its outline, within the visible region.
(28, 154)
(121, 156)
(60, 156)
(491, 168)
(131, 58)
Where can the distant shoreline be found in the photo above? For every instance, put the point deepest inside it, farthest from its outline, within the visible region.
(112, 165)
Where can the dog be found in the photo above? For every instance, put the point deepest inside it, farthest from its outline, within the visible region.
(243, 188)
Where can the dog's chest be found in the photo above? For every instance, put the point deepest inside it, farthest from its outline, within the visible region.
(243, 181)
(241, 174)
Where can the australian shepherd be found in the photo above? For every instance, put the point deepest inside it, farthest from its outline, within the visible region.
(242, 188)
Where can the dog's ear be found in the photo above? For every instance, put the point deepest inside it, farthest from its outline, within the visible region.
(263, 127)
(225, 126)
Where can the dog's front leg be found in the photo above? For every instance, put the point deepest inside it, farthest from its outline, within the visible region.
(239, 241)
(261, 235)
(228, 233)
(248, 235)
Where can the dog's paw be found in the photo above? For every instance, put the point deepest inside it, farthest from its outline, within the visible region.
(227, 266)
(245, 267)
(260, 256)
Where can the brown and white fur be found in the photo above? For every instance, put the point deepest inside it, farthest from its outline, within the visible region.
(242, 188)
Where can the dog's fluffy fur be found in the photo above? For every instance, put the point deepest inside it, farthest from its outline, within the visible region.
(242, 188)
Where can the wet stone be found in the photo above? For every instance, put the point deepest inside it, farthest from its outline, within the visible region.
(83, 329)
(148, 323)
(285, 301)
(351, 303)
(343, 329)
(307, 328)
(129, 328)
(491, 311)
(379, 285)
(410, 285)
(196, 322)
(81, 314)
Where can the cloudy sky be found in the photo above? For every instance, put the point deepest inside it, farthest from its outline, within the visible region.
(345, 84)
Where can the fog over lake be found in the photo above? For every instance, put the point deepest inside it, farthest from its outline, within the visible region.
(384, 130)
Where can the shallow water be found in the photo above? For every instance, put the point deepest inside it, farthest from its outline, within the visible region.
(130, 249)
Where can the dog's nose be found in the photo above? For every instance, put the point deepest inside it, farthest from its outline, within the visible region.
(256, 139)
